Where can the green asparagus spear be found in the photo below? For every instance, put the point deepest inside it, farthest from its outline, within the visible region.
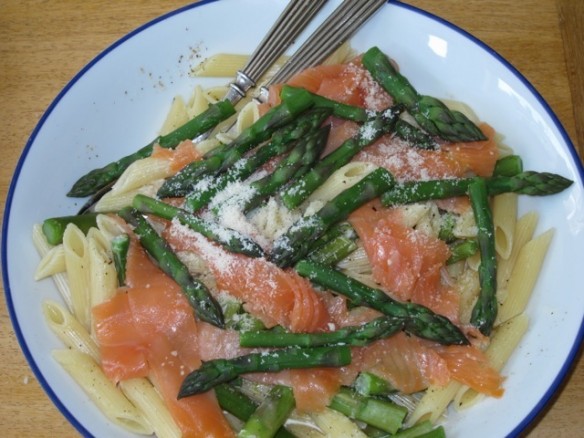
(418, 320)
(484, 311)
(334, 251)
(282, 140)
(297, 163)
(379, 413)
(446, 232)
(368, 384)
(414, 135)
(54, 228)
(218, 371)
(415, 431)
(404, 130)
(526, 183)
(100, 178)
(205, 306)
(228, 238)
(182, 183)
(378, 328)
(342, 229)
(270, 415)
(430, 113)
(375, 127)
(120, 245)
(338, 109)
(295, 243)
(232, 400)
(510, 165)
(461, 250)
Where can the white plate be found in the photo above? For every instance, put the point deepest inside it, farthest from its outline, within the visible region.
(116, 104)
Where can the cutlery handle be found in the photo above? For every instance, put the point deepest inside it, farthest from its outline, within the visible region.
(289, 24)
(330, 35)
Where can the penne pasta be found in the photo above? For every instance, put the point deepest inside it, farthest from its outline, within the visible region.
(145, 397)
(220, 65)
(53, 262)
(69, 330)
(347, 176)
(524, 229)
(176, 117)
(433, 403)
(102, 272)
(104, 394)
(77, 262)
(60, 279)
(524, 276)
(504, 220)
(504, 341)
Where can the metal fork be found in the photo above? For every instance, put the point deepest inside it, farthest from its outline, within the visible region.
(329, 36)
(281, 35)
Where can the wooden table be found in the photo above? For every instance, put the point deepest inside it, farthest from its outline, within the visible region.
(43, 44)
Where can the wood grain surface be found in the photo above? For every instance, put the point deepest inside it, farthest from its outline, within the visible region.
(43, 44)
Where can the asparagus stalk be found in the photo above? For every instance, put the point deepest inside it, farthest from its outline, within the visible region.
(204, 305)
(282, 140)
(54, 228)
(241, 406)
(120, 246)
(416, 431)
(271, 414)
(446, 232)
(342, 229)
(379, 413)
(414, 136)
(368, 384)
(462, 250)
(295, 243)
(218, 371)
(100, 178)
(410, 133)
(182, 183)
(334, 251)
(526, 183)
(338, 109)
(510, 165)
(430, 113)
(484, 311)
(378, 328)
(418, 320)
(297, 163)
(371, 130)
(234, 401)
(228, 238)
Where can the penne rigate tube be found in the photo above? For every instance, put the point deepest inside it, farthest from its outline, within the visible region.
(109, 399)
(60, 279)
(145, 397)
(524, 276)
(77, 262)
(504, 222)
(524, 230)
(433, 403)
(503, 343)
(68, 329)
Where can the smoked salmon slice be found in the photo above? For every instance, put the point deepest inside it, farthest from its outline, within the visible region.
(276, 296)
(451, 160)
(148, 329)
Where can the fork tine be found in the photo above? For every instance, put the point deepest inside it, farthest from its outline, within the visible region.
(331, 34)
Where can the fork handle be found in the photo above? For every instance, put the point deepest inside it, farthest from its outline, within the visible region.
(281, 35)
(329, 36)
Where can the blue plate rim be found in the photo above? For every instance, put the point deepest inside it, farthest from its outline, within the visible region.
(522, 426)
